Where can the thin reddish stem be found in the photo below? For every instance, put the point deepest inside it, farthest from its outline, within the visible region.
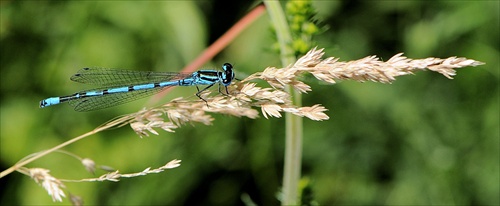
(218, 45)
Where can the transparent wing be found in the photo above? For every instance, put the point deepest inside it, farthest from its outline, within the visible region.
(117, 77)
(109, 100)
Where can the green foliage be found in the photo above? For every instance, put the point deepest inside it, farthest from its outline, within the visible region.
(422, 140)
(303, 26)
(300, 15)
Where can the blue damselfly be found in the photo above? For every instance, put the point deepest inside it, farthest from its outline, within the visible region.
(122, 86)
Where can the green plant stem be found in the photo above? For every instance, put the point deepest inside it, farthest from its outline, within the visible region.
(293, 141)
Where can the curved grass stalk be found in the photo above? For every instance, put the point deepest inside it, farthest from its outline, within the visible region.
(116, 122)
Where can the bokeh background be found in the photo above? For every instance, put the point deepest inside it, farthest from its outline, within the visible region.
(421, 140)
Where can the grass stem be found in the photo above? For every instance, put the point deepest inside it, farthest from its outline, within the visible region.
(293, 140)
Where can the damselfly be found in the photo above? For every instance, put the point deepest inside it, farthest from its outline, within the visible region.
(122, 86)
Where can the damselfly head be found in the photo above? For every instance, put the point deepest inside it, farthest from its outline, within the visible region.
(228, 74)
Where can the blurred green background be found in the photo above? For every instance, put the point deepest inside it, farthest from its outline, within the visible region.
(421, 140)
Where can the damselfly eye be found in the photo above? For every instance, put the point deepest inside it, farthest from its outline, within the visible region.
(227, 67)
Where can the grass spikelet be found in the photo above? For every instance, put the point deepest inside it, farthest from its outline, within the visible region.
(116, 175)
(51, 184)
